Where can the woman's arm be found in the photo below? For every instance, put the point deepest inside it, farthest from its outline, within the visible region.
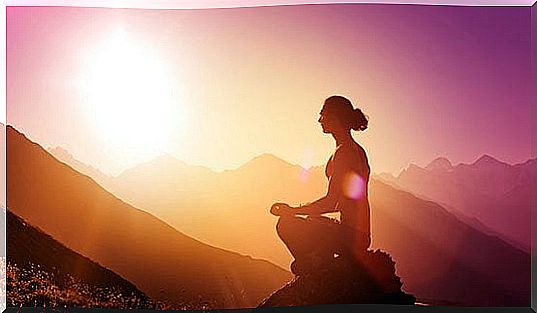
(322, 205)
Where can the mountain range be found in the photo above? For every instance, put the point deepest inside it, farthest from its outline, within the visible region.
(205, 205)
(443, 260)
(440, 257)
(494, 196)
(161, 261)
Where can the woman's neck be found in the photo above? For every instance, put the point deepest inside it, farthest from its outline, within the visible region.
(342, 138)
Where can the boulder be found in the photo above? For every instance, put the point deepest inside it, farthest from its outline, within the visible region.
(369, 279)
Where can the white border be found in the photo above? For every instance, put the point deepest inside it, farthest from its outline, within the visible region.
(182, 4)
(3, 119)
(3, 64)
(204, 4)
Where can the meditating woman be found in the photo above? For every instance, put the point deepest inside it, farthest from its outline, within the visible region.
(316, 239)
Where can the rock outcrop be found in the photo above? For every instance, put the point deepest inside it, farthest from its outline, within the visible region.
(370, 280)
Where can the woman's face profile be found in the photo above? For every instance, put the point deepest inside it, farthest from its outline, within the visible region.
(328, 122)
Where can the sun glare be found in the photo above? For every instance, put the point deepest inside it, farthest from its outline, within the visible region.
(129, 96)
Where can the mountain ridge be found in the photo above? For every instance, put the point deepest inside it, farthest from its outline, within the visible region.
(224, 280)
(440, 163)
(31, 252)
(493, 191)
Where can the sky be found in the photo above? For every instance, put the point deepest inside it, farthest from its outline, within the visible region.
(217, 87)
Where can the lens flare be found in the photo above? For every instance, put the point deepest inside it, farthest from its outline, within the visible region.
(354, 186)
(304, 175)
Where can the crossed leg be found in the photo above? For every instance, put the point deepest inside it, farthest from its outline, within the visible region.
(312, 240)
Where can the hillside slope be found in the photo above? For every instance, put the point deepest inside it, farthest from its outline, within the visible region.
(43, 272)
(164, 263)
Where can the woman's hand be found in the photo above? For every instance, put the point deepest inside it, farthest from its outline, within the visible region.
(280, 209)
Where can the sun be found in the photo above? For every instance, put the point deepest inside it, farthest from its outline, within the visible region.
(128, 95)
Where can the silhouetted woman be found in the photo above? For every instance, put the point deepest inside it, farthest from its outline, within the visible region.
(316, 239)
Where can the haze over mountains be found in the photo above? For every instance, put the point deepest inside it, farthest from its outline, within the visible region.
(440, 258)
(161, 261)
(64, 156)
(499, 195)
(206, 205)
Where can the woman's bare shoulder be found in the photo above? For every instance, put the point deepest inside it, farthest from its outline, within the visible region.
(351, 157)
(352, 152)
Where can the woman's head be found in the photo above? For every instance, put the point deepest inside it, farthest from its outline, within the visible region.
(338, 112)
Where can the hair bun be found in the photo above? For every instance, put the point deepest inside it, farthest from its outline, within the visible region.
(359, 120)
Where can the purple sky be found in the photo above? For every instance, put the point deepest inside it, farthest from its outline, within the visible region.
(435, 80)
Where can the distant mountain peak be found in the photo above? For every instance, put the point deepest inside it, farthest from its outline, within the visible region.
(165, 160)
(168, 158)
(59, 151)
(414, 167)
(439, 164)
(267, 155)
(266, 159)
(486, 159)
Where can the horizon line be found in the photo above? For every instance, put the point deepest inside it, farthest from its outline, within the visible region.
(211, 168)
(218, 171)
